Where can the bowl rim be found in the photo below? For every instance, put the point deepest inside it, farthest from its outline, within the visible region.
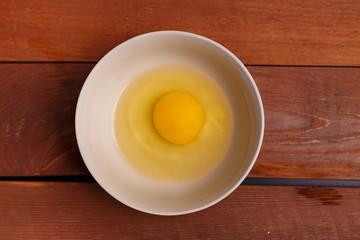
(97, 176)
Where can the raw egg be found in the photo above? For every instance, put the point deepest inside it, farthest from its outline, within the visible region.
(173, 123)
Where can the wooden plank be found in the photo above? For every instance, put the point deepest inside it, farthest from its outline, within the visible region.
(37, 118)
(45, 210)
(259, 32)
(312, 121)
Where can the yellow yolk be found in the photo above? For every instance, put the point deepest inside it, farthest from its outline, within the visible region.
(179, 117)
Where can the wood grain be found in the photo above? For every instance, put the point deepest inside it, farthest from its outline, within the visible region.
(259, 32)
(45, 210)
(312, 118)
(37, 119)
(312, 121)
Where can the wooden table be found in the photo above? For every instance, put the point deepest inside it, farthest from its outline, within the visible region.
(304, 57)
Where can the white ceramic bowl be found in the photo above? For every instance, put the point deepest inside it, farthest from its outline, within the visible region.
(95, 121)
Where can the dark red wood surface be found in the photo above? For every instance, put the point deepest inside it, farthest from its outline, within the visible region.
(312, 122)
(37, 119)
(43, 210)
(259, 32)
(304, 57)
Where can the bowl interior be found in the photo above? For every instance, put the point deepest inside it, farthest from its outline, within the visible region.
(95, 121)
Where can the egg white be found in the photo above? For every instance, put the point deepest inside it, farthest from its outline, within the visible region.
(146, 150)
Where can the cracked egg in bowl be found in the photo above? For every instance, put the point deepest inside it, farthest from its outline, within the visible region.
(169, 122)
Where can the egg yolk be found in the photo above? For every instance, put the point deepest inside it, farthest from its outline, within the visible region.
(179, 117)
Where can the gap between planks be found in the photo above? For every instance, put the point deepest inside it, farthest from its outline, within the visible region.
(247, 65)
(247, 181)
